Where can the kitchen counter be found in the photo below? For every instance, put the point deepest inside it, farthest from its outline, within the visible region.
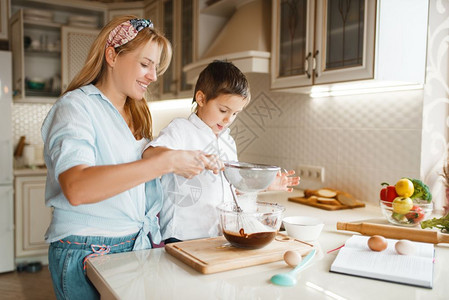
(154, 274)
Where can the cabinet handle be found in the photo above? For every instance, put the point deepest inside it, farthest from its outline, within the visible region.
(306, 64)
(314, 63)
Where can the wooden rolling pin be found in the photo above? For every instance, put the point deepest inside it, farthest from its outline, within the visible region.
(395, 232)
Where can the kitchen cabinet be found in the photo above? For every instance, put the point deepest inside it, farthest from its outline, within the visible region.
(126, 8)
(175, 19)
(7, 228)
(32, 217)
(321, 42)
(76, 43)
(4, 17)
(46, 53)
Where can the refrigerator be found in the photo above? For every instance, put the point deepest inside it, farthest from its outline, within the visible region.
(6, 165)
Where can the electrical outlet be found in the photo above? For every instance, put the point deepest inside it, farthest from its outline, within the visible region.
(311, 173)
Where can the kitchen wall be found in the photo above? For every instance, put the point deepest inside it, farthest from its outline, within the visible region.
(434, 149)
(360, 140)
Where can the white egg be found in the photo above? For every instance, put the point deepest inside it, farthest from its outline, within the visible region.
(405, 247)
(292, 258)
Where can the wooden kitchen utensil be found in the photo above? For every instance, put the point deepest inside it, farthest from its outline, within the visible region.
(396, 232)
(20, 145)
(314, 201)
(214, 255)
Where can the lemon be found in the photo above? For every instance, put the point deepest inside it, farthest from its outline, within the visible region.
(404, 188)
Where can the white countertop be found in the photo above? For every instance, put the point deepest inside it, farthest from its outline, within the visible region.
(154, 274)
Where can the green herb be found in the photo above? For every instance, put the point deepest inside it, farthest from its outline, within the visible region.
(440, 223)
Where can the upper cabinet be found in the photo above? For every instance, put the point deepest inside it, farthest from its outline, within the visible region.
(50, 41)
(175, 19)
(318, 43)
(126, 8)
(49, 46)
(76, 43)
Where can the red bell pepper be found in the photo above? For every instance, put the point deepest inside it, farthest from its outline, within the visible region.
(388, 192)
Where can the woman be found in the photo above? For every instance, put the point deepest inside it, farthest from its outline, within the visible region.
(105, 197)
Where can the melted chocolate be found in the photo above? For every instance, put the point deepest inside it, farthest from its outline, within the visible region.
(249, 241)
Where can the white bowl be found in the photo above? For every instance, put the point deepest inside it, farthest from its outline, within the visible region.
(303, 228)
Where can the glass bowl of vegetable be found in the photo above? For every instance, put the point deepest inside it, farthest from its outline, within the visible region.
(405, 211)
(406, 203)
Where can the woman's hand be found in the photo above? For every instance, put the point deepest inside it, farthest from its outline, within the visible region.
(186, 163)
(191, 163)
(283, 182)
(214, 163)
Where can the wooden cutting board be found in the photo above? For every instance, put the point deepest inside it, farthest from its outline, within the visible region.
(313, 202)
(214, 255)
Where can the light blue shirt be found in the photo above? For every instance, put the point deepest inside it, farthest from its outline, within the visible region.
(84, 128)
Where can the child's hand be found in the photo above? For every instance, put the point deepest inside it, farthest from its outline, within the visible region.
(283, 182)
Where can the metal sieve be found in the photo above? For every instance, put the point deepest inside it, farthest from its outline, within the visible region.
(249, 177)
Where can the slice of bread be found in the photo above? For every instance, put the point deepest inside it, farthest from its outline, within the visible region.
(346, 199)
(325, 193)
(328, 201)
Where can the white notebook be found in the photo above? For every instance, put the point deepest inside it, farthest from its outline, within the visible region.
(355, 258)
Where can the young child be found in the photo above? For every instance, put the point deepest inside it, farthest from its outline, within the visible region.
(189, 209)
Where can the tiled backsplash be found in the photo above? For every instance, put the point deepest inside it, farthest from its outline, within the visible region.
(27, 120)
(360, 140)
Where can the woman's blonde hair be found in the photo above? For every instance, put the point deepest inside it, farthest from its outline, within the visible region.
(95, 69)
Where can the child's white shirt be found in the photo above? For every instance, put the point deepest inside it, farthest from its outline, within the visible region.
(189, 209)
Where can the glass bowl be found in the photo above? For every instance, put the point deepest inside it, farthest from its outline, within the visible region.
(420, 211)
(250, 229)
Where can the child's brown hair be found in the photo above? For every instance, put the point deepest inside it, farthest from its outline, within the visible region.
(222, 77)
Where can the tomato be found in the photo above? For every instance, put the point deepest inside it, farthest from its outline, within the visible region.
(402, 205)
(404, 188)
(416, 214)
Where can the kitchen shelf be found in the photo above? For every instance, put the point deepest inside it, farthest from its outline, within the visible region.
(42, 53)
(42, 25)
(42, 93)
(52, 50)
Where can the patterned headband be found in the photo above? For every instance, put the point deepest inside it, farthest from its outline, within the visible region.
(127, 31)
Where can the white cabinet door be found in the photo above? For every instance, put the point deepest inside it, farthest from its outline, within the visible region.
(6, 229)
(322, 41)
(344, 50)
(372, 43)
(32, 216)
(6, 152)
(292, 43)
(76, 44)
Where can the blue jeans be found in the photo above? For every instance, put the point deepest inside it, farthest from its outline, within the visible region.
(66, 259)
